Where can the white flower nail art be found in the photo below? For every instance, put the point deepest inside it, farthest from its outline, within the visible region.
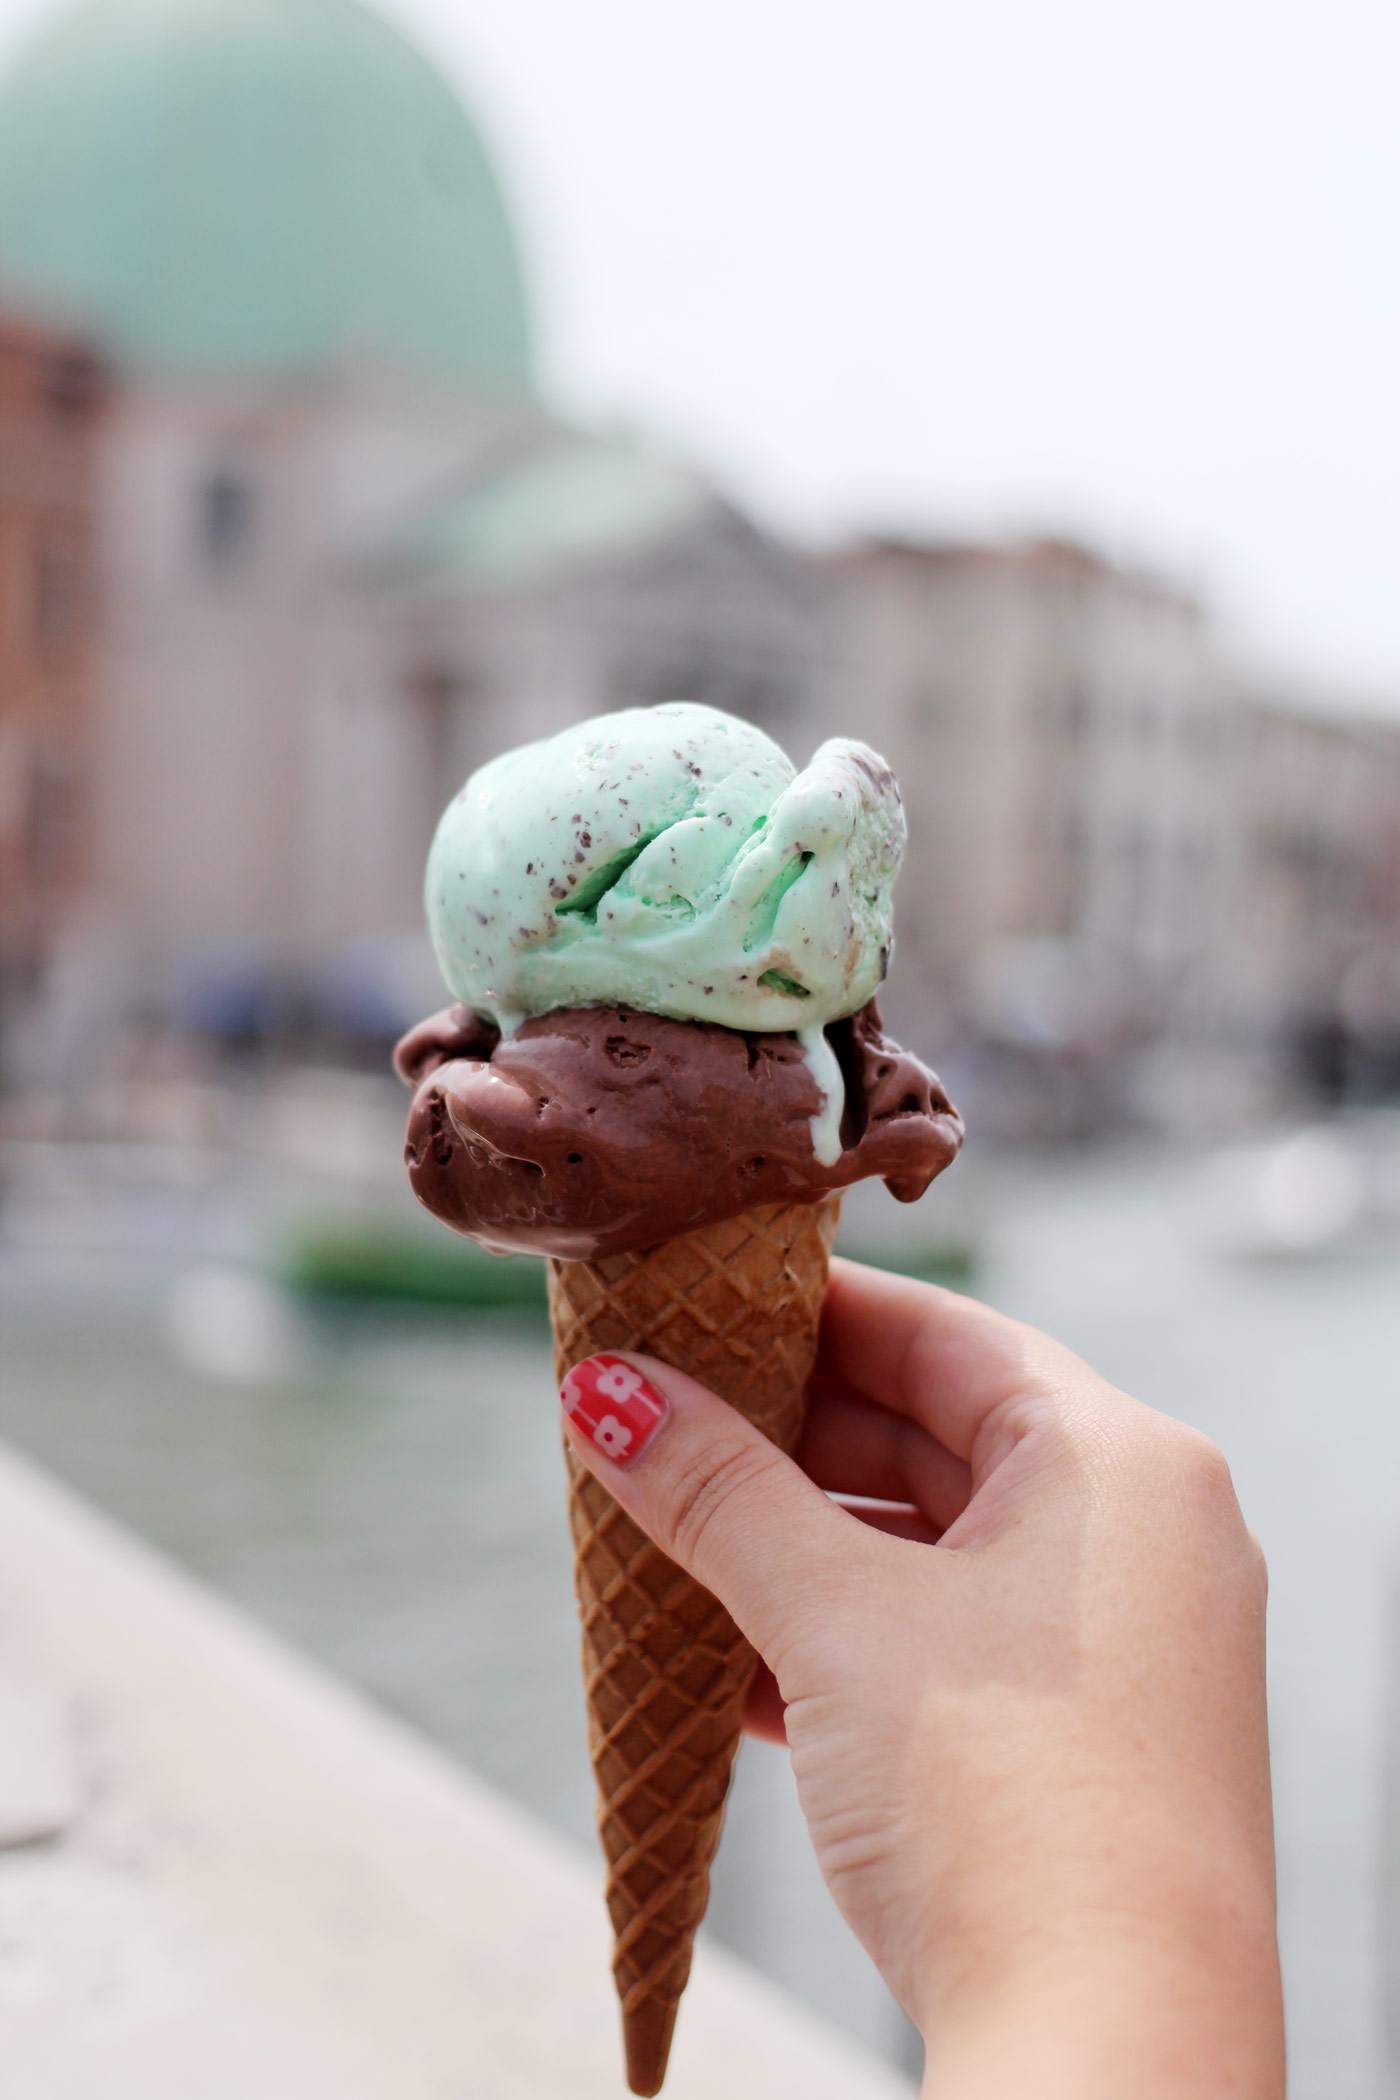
(618, 1382)
(612, 1436)
(613, 1406)
(571, 1392)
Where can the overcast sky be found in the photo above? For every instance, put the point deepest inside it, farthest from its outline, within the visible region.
(1132, 272)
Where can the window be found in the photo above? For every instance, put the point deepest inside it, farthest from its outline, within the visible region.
(439, 696)
(225, 518)
(933, 706)
(48, 820)
(71, 385)
(1076, 714)
(57, 594)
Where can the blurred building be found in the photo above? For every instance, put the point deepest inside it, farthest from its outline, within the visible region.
(317, 543)
(1309, 967)
(51, 409)
(346, 547)
(1129, 855)
(1129, 858)
(1057, 724)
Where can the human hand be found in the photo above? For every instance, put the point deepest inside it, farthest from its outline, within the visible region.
(1024, 1695)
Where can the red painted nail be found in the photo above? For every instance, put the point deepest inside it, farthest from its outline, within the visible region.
(617, 1409)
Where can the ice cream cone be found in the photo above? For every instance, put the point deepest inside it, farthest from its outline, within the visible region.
(665, 942)
(666, 1671)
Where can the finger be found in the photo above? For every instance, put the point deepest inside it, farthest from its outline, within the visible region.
(946, 1361)
(765, 1709)
(710, 1490)
(854, 1447)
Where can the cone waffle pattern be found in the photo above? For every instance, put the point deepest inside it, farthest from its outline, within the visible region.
(666, 1670)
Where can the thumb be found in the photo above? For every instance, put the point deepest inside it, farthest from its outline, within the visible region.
(706, 1487)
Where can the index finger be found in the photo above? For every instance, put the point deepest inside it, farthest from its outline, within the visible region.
(945, 1360)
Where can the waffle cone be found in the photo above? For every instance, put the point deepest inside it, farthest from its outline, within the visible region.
(666, 1671)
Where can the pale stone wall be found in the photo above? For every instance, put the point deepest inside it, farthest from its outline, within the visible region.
(253, 1883)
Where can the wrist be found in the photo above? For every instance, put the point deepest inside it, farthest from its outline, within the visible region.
(1165, 2006)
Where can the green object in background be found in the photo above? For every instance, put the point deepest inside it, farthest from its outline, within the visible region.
(380, 1262)
(953, 1263)
(256, 188)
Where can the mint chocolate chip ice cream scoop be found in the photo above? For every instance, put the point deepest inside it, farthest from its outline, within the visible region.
(673, 859)
(673, 865)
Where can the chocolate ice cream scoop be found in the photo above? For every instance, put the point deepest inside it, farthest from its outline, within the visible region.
(598, 1130)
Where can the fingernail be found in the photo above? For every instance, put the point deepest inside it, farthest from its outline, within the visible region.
(612, 1405)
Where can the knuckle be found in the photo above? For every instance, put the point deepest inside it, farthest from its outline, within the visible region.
(706, 1485)
(1207, 1489)
(1203, 1465)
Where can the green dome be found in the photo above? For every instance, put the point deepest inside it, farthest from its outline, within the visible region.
(255, 188)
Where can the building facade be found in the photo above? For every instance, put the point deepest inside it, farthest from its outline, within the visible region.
(346, 547)
(1057, 725)
(1309, 974)
(1130, 866)
(52, 408)
(309, 544)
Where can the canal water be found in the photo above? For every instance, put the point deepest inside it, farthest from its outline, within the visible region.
(386, 1492)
